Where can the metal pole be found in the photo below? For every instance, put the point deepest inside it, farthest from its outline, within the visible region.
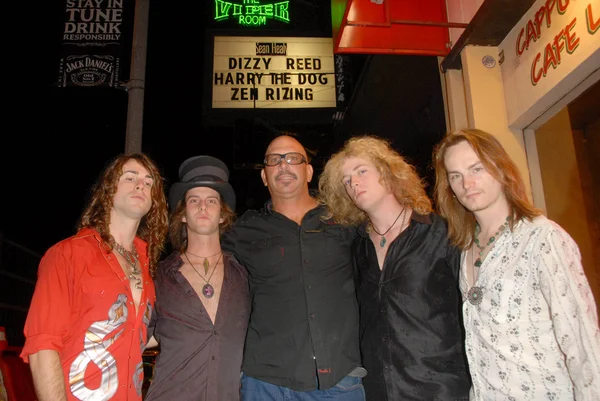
(135, 86)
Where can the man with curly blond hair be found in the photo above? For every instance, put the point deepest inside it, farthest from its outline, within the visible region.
(410, 333)
(87, 323)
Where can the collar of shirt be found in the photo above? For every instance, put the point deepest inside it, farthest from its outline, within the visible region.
(140, 245)
(172, 263)
(419, 218)
(268, 207)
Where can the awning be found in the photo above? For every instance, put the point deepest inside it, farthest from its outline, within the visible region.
(489, 26)
(418, 27)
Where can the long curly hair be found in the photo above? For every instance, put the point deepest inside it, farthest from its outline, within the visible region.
(396, 174)
(461, 222)
(153, 226)
(178, 229)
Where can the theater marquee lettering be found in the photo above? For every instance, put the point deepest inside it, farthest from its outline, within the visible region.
(252, 12)
(273, 73)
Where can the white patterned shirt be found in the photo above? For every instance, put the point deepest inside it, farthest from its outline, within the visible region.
(535, 334)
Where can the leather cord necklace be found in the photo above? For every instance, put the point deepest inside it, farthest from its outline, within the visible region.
(383, 240)
(205, 263)
(207, 290)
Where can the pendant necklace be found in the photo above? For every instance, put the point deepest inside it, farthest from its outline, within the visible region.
(207, 290)
(475, 294)
(205, 261)
(131, 258)
(383, 240)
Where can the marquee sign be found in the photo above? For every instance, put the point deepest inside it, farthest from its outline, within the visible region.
(252, 12)
(273, 72)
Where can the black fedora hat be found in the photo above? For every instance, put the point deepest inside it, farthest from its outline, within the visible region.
(202, 171)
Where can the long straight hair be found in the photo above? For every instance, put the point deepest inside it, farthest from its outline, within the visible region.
(461, 222)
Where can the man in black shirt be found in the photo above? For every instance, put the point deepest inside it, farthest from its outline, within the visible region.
(411, 336)
(302, 341)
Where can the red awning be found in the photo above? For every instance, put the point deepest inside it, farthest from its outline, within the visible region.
(417, 27)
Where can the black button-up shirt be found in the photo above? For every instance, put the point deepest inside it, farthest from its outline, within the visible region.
(411, 331)
(303, 330)
(199, 360)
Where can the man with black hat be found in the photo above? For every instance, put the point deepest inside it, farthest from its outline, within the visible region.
(203, 304)
(302, 341)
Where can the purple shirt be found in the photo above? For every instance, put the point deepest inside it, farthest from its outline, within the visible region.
(198, 361)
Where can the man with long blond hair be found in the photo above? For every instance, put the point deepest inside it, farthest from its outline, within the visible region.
(86, 326)
(529, 314)
(411, 340)
(200, 356)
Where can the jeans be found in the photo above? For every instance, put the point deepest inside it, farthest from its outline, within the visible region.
(348, 389)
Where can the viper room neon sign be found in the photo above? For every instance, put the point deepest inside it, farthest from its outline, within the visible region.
(251, 13)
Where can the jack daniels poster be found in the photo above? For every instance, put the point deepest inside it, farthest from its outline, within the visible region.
(96, 36)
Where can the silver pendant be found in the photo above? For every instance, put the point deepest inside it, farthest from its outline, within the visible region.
(382, 242)
(208, 291)
(475, 295)
(138, 281)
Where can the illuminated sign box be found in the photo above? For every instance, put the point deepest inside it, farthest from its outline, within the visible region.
(273, 72)
(252, 12)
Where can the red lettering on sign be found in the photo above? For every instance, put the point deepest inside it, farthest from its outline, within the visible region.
(533, 28)
(539, 17)
(572, 39)
(530, 33)
(536, 75)
(520, 49)
(549, 7)
(559, 44)
(567, 40)
(562, 8)
(549, 58)
(591, 24)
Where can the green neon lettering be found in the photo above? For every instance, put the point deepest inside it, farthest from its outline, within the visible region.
(251, 12)
(222, 9)
(252, 20)
(281, 11)
(269, 10)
